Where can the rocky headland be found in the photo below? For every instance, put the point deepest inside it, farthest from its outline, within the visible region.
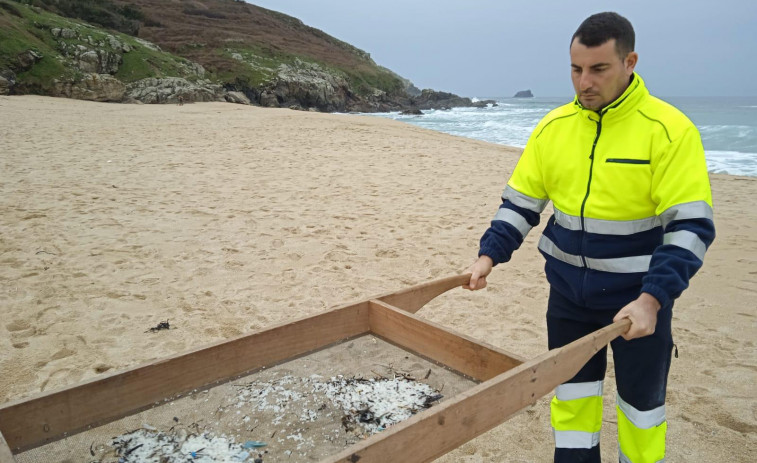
(147, 51)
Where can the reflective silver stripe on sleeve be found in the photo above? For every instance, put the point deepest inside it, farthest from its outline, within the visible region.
(606, 227)
(549, 247)
(572, 391)
(686, 240)
(514, 219)
(642, 420)
(622, 458)
(634, 264)
(526, 202)
(576, 439)
(692, 210)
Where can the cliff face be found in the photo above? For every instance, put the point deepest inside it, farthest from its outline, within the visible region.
(199, 50)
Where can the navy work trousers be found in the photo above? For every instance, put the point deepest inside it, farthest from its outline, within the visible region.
(641, 365)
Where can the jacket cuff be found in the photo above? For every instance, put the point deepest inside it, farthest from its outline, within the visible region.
(662, 296)
(496, 257)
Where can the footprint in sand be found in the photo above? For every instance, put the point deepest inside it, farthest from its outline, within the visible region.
(59, 378)
(524, 334)
(20, 329)
(116, 294)
(532, 292)
(698, 391)
(63, 353)
(391, 253)
(731, 422)
(18, 325)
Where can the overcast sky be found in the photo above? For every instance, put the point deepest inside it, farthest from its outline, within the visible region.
(482, 48)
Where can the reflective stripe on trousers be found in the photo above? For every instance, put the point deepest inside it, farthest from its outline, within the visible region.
(576, 413)
(641, 434)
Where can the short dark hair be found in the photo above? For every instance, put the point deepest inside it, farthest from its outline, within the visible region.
(601, 27)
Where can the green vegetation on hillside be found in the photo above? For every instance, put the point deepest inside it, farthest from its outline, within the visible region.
(365, 82)
(257, 66)
(104, 13)
(19, 34)
(142, 62)
(24, 27)
(240, 45)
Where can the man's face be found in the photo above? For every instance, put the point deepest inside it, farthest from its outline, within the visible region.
(599, 74)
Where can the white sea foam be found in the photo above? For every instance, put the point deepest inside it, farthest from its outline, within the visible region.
(739, 131)
(732, 162)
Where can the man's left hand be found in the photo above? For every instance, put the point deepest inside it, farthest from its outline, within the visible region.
(643, 315)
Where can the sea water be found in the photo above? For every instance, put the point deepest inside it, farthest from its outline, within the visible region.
(728, 125)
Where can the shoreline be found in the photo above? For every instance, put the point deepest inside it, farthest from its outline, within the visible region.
(227, 219)
(506, 128)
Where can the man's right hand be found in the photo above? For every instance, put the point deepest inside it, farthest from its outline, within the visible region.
(479, 271)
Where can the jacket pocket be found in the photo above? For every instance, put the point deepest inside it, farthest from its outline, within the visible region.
(627, 161)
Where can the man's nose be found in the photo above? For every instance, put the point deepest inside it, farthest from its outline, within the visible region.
(586, 82)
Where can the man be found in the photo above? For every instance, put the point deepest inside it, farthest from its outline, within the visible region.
(632, 220)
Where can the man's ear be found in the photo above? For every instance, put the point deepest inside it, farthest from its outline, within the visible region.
(630, 62)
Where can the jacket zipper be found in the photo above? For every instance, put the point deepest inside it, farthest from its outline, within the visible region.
(583, 204)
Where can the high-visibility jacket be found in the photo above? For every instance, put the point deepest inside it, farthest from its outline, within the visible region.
(631, 196)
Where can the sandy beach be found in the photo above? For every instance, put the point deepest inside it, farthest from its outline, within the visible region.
(227, 219)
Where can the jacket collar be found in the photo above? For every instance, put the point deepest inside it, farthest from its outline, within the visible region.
(625, 104)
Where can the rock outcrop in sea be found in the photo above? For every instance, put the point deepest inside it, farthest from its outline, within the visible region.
(524, 94)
